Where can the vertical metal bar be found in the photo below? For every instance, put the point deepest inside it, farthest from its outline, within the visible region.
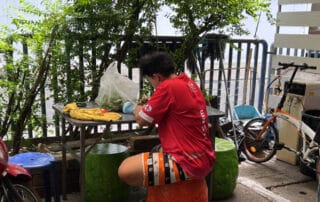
(94, 72)
(27, 82)
(295, 52)
(202, 68)
(229, 77)
(69, 88)
(246, 74)
(280, 51)
(303, 52)
(43, 112)
(219, 82)
(288, 51)
(81, 72)
(211, 73)
(82, 163)
(270, 73)
(130, 72)
(236, 89)
(64, 159)
(254, 74)
(262, 73)
(54, 83)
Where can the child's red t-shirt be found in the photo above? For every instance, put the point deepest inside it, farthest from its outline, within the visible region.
(179, 109)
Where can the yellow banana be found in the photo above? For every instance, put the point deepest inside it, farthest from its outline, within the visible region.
(92, 114)
(68, 107)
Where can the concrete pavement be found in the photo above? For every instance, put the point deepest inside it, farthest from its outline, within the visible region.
(275, 181)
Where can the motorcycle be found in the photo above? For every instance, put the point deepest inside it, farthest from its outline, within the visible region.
(15, 183)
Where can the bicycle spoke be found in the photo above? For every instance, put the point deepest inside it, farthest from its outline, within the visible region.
(258, 144)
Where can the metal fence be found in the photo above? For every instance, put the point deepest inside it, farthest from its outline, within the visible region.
(241, 77)
(236, 75)
(239, 74)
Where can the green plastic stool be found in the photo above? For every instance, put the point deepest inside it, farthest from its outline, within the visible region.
(101, 173)
(225, 169)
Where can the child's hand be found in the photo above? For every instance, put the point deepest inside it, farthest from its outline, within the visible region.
(143, 100)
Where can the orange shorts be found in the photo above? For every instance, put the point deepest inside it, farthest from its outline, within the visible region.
(160, 168)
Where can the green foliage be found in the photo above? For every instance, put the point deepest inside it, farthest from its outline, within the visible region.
(69, 44)
(107, 29)
(26, 68)
(196, 18)
(226, 16)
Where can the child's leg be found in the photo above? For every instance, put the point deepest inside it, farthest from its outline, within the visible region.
(131, 170)
(150, 169)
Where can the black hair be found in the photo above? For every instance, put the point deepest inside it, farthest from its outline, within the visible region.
(158, 62)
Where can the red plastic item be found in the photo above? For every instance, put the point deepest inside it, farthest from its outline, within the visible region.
(185, 191)
(104, 110)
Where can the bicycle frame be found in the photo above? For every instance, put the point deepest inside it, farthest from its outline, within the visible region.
(303, 129)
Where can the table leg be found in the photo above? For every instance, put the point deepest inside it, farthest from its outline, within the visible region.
(212, 132)
(82, 163)
(64, 160)
(46, 178)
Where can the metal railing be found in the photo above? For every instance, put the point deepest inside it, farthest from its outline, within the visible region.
(239, 75)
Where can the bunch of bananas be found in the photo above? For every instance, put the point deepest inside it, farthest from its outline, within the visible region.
(90, 114)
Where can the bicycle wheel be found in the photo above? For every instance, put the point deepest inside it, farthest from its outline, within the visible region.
(260, 148)
(308, 167)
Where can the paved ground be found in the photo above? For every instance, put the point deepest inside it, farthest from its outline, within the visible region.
(272, 181)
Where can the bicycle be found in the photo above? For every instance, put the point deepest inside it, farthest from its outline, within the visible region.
(261, 140)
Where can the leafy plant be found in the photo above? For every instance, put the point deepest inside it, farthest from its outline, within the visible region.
(109, 28)
(25, 71)
(196, 18)
(67, 44)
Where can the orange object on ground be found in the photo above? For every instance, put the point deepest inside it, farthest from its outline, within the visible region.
(184, 191)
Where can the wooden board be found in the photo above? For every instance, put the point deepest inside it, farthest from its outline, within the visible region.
(143, 143)
(281, 2)
(298, 18)
(302, 41)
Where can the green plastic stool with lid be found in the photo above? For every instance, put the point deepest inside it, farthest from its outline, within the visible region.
(225, 169)
(101, 173)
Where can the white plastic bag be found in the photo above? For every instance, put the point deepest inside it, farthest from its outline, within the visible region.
(116, 89)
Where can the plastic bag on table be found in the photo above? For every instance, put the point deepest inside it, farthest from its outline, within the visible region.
(116, 89)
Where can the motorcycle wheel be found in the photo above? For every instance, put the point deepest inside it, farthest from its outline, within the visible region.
(19, 191)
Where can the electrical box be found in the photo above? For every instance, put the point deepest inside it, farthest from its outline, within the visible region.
(309, 91)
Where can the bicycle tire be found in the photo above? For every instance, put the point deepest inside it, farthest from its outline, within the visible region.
(309, 167)
(262, 149)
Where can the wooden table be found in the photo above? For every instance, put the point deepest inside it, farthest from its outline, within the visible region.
(213, 116)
